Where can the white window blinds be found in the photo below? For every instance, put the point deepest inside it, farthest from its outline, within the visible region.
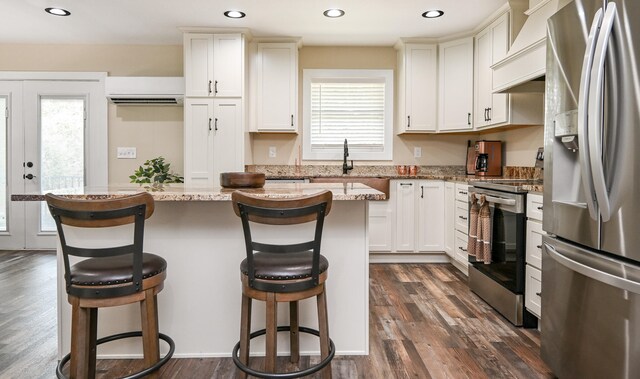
(352, 109)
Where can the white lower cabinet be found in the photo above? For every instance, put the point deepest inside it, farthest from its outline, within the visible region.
(381, 225)
(533, 280)
(456, 224)
(533, 288)
(411, 221)
(213, 140)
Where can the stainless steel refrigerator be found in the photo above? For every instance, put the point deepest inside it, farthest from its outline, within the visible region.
(590, 325)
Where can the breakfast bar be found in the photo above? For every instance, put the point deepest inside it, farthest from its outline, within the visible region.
(200, 237)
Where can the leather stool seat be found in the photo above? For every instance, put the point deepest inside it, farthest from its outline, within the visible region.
(275, 266)
(114, 270)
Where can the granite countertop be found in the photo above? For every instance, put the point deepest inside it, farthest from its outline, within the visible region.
(178, 192)
(449, 173)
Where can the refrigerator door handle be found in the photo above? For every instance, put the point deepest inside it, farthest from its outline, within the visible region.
(590, 272)
(596, 95)
(583, 110)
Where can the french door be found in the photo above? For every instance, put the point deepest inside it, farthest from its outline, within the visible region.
(49, 144)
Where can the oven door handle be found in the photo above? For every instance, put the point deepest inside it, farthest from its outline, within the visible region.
(499, 200)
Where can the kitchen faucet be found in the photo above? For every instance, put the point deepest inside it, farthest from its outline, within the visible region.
(345, 167)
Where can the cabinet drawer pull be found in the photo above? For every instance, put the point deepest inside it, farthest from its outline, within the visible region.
(462, 218)
(539, 294)
(215, 87)
(422, 192)
(209, 86)
(462, 193)
(462, 248)
(539, 246)
(406, 184)
(408, 121)
(539, 208)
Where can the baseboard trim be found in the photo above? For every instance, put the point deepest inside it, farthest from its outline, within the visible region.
(437, 257)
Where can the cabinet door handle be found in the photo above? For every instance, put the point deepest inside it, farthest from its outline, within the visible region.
(408, 121)
(539, 208)
(209, 87)
(406, 184)
(422, 192)
(209, 123)
(539, 294)
(215, 124)
(469, 118)
(291, 120)
(539, 246)
(489, 113)
(215, 87)
(486, 114)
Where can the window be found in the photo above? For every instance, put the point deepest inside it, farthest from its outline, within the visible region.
(356, 105)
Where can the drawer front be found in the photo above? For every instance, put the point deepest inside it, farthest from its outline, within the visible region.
(462, 217)
(460, 247)
(534, 206)
(462, 192)
(534, 243)
(533, 288)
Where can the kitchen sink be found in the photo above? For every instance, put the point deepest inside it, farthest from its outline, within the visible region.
(381, 184)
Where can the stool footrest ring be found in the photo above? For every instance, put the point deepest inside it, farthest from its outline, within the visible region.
(285, 375)
(140, 374)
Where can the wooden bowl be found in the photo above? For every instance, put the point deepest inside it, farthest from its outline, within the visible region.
(242, 179)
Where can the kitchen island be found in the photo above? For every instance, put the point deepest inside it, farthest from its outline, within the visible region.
(201, 238)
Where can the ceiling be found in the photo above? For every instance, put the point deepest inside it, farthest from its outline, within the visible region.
(366, 22)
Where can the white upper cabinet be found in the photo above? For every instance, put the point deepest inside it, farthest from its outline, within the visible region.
(213, 140)
(213, 64)
(455, 100)
(277, 87)
(494, 110)
(492, 44)
(417, 87)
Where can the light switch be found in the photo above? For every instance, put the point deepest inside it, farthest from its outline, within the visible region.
(417, 152)
(126, 153)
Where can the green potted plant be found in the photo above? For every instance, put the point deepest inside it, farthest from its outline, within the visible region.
(155, 172)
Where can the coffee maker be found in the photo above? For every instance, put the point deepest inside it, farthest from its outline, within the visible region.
(488, 158)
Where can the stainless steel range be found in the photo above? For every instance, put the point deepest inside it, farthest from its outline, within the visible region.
(501, 282)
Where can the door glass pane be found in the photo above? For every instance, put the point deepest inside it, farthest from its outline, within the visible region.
(61, 149)
(3, 164)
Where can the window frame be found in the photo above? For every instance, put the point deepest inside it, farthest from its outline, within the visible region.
(355, 153)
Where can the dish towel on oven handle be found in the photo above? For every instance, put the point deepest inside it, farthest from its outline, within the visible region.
(473, 225)
(483, 242)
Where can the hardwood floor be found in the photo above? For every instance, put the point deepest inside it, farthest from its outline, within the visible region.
(425, 323)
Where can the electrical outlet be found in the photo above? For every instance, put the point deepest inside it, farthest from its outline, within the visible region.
(126, 153)
(417, 152)
(272, 151)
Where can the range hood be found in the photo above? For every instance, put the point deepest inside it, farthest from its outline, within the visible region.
(524, 67)
(144, 90)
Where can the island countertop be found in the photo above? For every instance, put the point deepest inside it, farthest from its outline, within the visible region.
(179, 192)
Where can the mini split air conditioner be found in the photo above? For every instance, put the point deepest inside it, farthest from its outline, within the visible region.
(144, 90)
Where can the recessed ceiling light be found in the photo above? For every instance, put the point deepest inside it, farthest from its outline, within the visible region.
(333, 13)
(433, 13)
(57, 11)
(234, 14)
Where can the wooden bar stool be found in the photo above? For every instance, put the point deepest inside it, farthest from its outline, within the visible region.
(109, 276)
(283, 273)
